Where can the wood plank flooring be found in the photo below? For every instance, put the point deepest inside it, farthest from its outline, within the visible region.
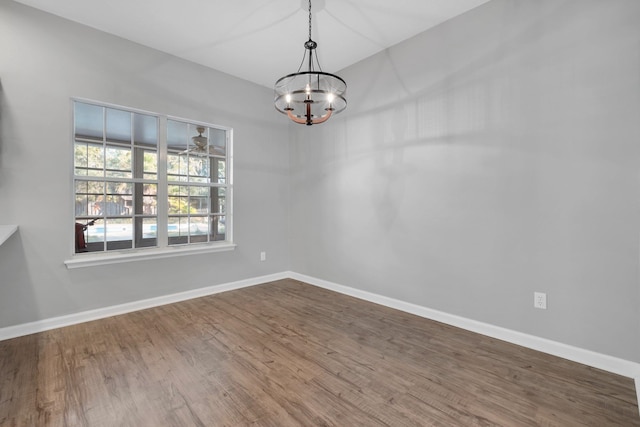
(288, 354)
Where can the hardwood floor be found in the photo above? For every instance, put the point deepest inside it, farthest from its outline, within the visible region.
(288, 354)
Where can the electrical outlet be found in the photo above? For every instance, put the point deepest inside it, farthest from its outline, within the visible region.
(263, 256)
(540, 300)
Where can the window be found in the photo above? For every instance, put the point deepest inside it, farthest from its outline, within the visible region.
(143, 181)
(196, 183)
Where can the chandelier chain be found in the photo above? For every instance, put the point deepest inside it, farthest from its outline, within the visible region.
(309, 19)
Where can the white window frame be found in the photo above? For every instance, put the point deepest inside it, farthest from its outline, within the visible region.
(163, 248)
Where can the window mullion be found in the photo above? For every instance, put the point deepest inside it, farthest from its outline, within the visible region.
(163, 197)
(229, 186)
(104, 181)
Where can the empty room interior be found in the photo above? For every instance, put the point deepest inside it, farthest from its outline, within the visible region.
(434, 220)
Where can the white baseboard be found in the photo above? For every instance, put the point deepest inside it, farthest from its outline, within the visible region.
(101, 313)
(579, 355)
(586, 357)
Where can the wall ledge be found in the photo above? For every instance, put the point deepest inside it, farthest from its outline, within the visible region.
(116, 257)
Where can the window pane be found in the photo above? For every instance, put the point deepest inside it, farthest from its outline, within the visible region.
(218, 141)
(88, 193)
(94, 187)
(119, 233)
(177, 168)
(81, 187)
(150, 164)
(145, 201)
(178, 195)
(88, 120)
(150, 189)
(178, 190)
(199, 200)
(148, 236)
(119, 199)
(80, 155)
(150, 205)
(177, 136)
(95, 160)
(175, 204)
(149, 228)
(116, 206)
(184, 167)
(118, 126)
(199, 226)
(118, 162)
(218, 228)
(199, 170)
(94, 203)
(122, 188)
(145, 130)
(173, 165)
(177, 226)
(82, 207)
(218, 200)
(220, 166)
(95, 232)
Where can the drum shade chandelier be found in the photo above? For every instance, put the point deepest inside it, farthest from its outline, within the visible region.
(310, 97)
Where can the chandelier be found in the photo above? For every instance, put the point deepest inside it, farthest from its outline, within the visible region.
(310, 97)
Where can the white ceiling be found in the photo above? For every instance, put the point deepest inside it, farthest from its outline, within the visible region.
(261, 40)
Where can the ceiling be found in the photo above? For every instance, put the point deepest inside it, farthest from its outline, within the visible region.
(260, 40)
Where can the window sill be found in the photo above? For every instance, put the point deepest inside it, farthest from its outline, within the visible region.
(92, 260)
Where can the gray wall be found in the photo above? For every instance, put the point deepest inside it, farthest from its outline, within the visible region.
(44, 61)
(490, 157)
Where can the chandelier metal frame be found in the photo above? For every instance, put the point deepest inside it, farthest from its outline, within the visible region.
(310, 97)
